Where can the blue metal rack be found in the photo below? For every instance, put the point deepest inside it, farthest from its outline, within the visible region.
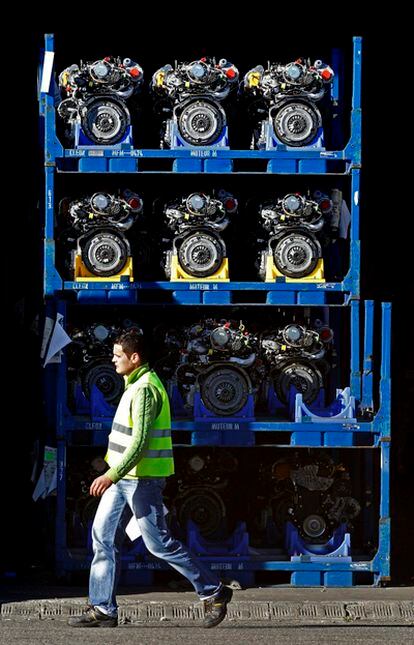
(369, 428)
(281, 292)
(363, 420)
(243, 563)
(301, 570)
(128, 159)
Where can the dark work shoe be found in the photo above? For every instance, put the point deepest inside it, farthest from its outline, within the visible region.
(92, 617)
(215, 609)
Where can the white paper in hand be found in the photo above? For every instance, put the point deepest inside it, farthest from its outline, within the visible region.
(132, 528)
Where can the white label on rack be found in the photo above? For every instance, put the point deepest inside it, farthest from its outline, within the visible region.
(198, 286)
(225, 426)
(203, 153)
(47, 71)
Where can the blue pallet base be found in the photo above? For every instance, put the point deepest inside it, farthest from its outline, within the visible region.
(82, 141)
(339, 546)
(200, 165)
(294, 166)
(107, 165)
(270, 141)
(322, 579)
(237, 544)
(274, 405)
(177, 142)
(96, 407)
(111, 293)
(202, 413)
(236, 433)
(245, 569)
(218, 438)
(85, 431)
(272, 163)
(342, 408)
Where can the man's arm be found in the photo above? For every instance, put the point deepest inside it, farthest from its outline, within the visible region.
(146, 405)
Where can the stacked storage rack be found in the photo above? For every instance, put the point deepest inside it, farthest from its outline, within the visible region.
(287, 487)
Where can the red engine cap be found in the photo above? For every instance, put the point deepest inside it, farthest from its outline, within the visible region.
(230, 73)
(326, 74)
(325, 204)
(134, 202)
(326, 334)
(134, 71)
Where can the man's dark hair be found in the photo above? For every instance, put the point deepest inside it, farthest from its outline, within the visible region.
(133, 341)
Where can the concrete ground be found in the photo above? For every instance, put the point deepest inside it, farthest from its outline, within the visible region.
(56, 632)
(392, 605)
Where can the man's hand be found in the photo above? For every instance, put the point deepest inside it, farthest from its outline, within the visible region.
(99, 485)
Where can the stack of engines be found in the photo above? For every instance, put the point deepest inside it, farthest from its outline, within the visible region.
(308, 489)
(95, 97)
(227, 363)
(288, 103)
(288, 96)
(197, 222)
(300, 228)
(314, 493)
(190, 98)
(96, 232)
(218, 358)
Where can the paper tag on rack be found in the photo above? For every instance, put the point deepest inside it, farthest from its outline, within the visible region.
(47, 70)
(46, 483)
(55, 339)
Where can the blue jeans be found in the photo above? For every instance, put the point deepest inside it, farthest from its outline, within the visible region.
(144, 498)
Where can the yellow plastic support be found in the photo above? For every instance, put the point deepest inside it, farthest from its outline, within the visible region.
(253, 79)
(83, 275)
(178, 273)
(159, 79)
(272, 272)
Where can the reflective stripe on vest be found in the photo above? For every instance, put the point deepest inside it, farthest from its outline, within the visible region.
(157, 457)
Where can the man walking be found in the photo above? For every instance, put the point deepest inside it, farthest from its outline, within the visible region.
(140, 457)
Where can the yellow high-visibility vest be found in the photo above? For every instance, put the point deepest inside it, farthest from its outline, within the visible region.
(157, 457)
